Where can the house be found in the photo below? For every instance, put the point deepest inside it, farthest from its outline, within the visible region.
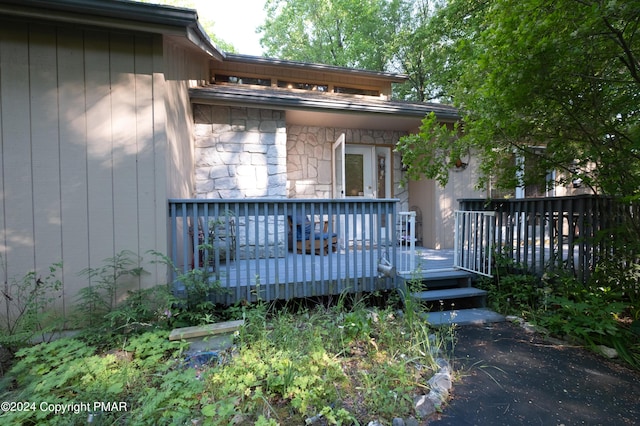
(108, 109)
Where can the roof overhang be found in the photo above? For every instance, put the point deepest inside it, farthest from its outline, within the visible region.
(320, 109)
(175, 22)
(306, 66)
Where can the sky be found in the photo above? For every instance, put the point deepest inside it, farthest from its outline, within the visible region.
(235, 22)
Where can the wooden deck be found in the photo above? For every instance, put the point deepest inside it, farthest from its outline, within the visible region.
(310, 275)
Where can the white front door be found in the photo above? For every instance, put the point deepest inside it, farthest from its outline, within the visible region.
(338, 157)
(360, 171)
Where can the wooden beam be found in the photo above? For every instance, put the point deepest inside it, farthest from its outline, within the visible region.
(205, 330)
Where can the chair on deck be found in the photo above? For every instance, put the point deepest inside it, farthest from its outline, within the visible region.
(307, 240)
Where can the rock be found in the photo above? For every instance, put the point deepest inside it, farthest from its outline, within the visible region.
(374, 423)
(441, 382)
(411, 422)
(443, 364)
(424, 406)
(513, 318)
(438, 397)
(608, 352)
(397, 422)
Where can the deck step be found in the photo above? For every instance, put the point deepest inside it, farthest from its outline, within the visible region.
(449, 293)
(442, 278)
(463, 317)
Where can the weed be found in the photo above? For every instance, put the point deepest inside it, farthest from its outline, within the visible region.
(28, 313)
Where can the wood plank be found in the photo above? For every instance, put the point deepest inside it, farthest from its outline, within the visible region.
(148, 232)
(205, 330)
(73, 160)
(124, 152)
(45, 140)
(99, 148)
(17, 185)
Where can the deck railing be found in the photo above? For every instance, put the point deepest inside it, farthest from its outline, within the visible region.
(258, 249)
(546, 233)
(407, 242)
(474, 241)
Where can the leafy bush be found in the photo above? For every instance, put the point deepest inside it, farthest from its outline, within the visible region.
(596, 313)
(144, 375)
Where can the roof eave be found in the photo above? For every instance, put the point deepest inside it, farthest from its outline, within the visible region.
(325, 105)
(260, 60)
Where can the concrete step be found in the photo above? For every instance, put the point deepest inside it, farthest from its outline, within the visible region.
(463, 317)
(449, 294)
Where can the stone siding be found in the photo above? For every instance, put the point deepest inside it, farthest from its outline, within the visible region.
(309, 149)
(241, 153)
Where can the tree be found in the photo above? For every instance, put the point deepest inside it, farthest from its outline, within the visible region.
(566, 78)
(349, 33)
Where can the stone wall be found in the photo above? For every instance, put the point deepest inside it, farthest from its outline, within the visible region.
(309, 170)
(241, 153)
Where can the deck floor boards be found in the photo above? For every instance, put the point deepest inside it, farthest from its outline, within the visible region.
(302, 275)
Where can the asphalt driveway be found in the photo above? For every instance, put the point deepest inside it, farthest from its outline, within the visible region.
(510, 376)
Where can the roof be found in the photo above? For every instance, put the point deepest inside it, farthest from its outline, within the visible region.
(123, 14)
(290, 100)
(259, 60)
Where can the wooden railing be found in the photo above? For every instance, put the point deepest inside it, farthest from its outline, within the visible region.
(258, 249)
(546, 233)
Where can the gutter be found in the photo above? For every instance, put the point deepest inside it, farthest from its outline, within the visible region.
(291, 102)
(121, 14)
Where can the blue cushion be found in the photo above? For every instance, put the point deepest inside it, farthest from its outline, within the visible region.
(300, 222)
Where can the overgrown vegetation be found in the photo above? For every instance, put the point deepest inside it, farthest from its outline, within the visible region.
(604, 311)
(29, 311)
(344, 362)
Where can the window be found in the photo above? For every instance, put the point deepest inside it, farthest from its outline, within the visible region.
(356, 91)
(303, 86)
(233, 79)
(361, 170)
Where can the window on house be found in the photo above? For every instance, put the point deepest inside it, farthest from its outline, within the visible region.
(234, 79)
(537, 182)
(303, 86)
(356, 91)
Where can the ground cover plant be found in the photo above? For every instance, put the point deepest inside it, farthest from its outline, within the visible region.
(343, 361)
(602, 311)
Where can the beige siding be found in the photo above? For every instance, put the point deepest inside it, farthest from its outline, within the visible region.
(438, 203)
(183, 69)
(84, 141)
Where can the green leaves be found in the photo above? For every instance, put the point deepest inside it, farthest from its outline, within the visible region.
(433, 151)
(348, 33)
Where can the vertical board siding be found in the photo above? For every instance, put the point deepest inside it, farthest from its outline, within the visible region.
(45, 149)
(73, 158)
(99, 148)
(147, 205)
(125, 149)
(19, 256)
(84, 151)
